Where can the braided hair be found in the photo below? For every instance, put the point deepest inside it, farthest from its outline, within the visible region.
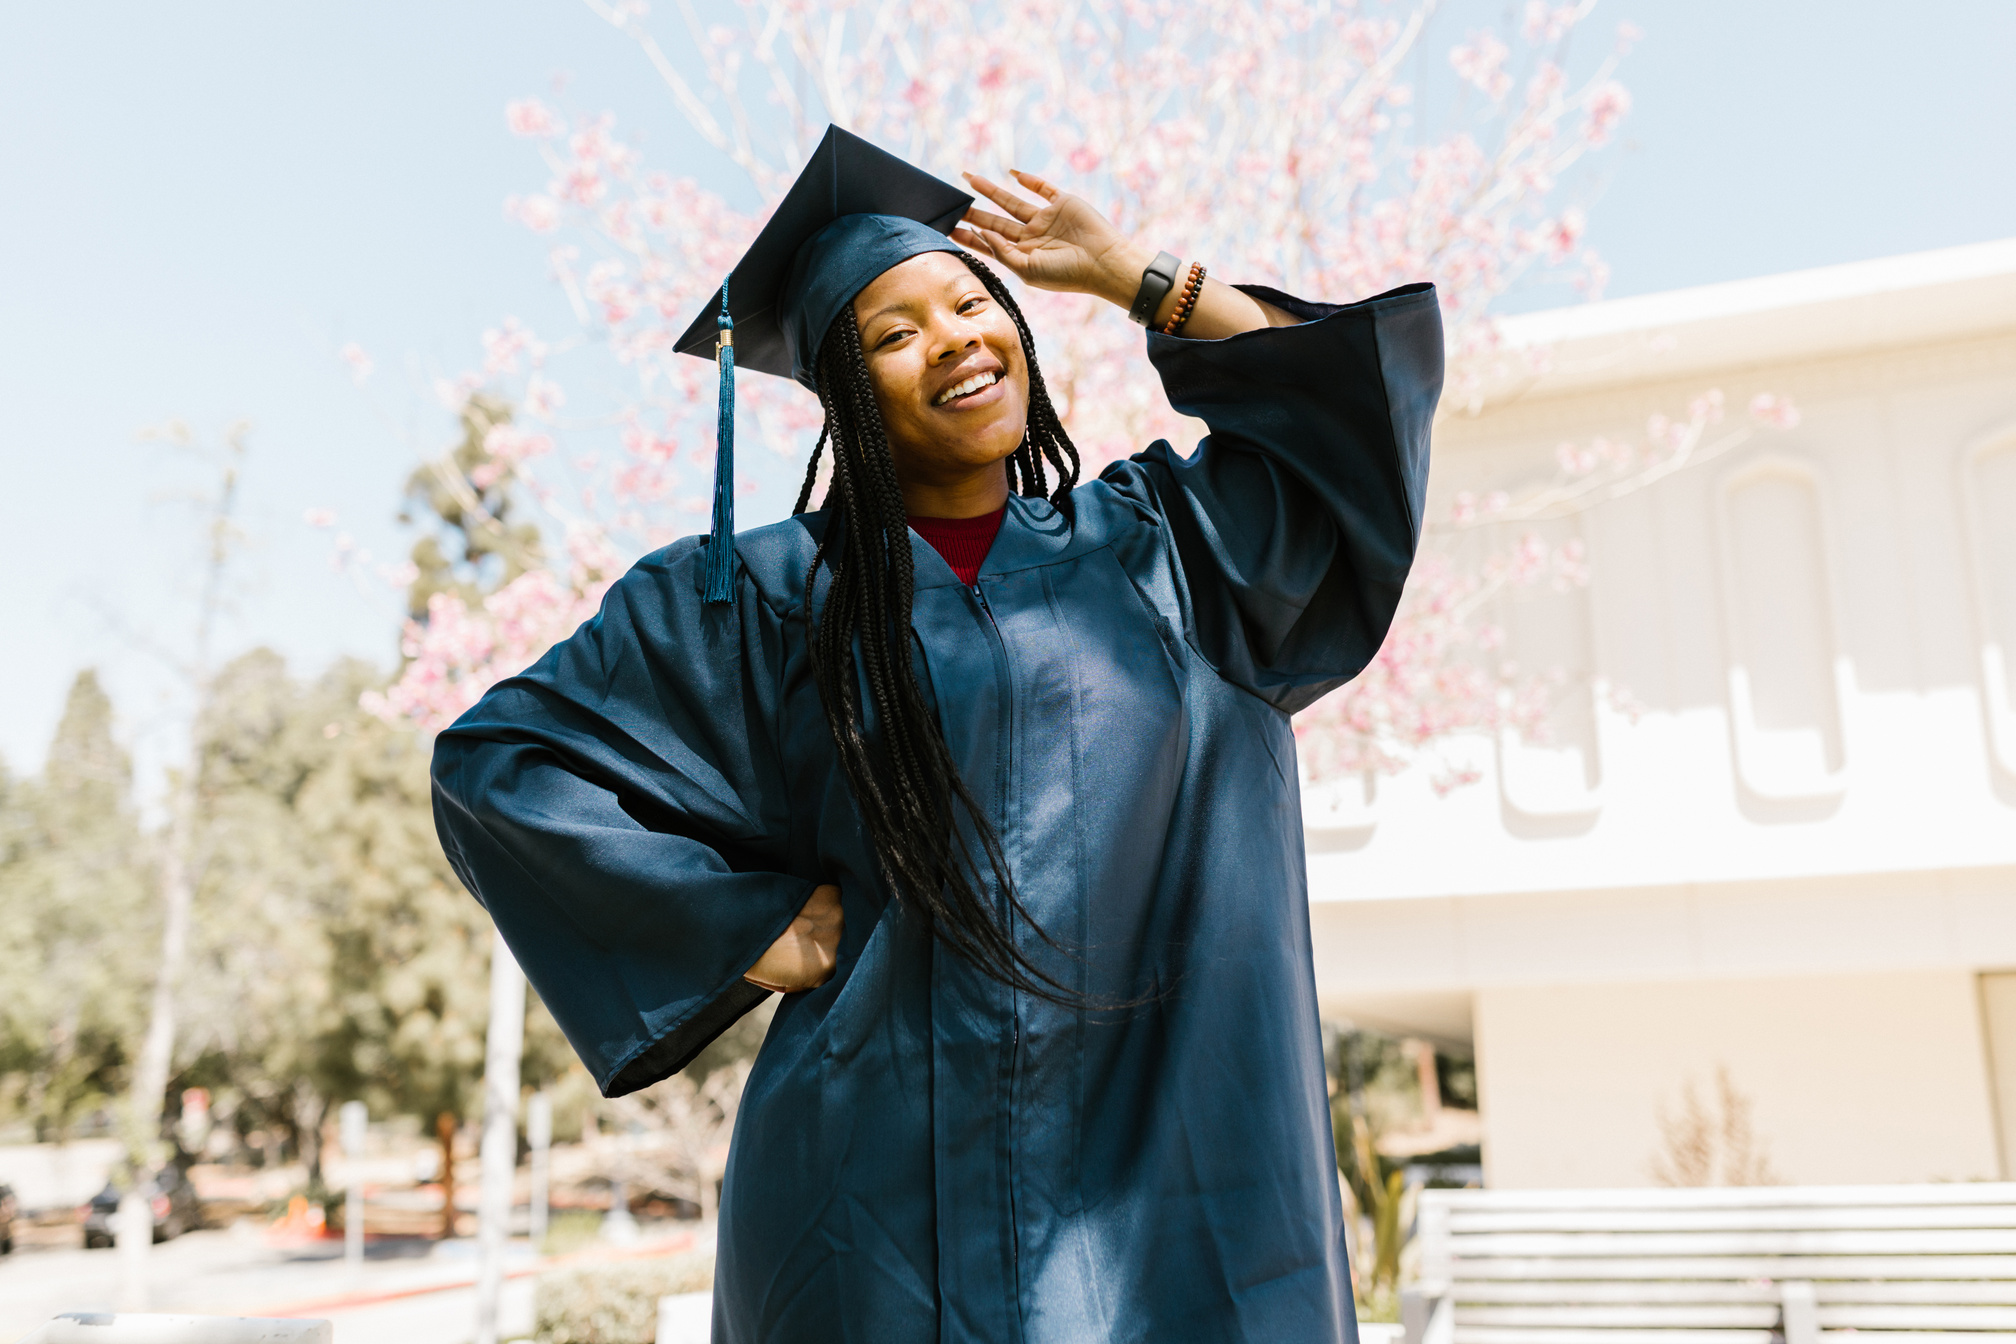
(905, 784)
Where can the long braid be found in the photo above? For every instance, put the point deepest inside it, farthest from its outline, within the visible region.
(811, 471)
(905, 783)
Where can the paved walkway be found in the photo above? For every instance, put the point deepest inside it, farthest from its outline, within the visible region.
(415, 1292)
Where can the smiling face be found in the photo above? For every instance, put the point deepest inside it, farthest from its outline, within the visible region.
(946, 363)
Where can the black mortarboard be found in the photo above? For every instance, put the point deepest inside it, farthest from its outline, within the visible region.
(854, 212)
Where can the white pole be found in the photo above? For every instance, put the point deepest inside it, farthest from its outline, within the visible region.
(355, 1118)
(501, 1054)
(620, 1225)
(133, 1234)
(539, 1136)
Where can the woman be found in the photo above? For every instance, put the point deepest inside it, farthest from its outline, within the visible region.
(1019, 845)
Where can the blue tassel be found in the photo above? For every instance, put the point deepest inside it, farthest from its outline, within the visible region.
(721, 541)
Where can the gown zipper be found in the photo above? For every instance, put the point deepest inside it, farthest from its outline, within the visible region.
(1014, 999)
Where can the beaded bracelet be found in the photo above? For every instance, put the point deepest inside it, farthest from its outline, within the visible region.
(1192, 286)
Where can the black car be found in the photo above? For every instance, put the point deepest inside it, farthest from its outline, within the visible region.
(170, 1196)
(9, 1207)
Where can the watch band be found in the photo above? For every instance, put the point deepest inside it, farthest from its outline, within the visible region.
(1156, 282)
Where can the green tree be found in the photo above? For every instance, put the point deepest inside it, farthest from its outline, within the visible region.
(258, 994)
(470, 543)
(338, 956)
(78, 924)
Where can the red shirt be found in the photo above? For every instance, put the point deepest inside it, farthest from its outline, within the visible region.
(963, 542)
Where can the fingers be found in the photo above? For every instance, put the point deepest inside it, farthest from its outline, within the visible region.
(972, 241)
(1035, 184)
(982, 219)
(1001, 250)
(805, 954)
(1002, 197)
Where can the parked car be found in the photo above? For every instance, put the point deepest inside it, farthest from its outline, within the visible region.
(9, 1207)
(170, 1197)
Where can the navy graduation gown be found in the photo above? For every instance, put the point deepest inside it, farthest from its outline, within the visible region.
(923, 1154)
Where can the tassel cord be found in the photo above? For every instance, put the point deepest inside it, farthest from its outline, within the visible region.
(721, 540)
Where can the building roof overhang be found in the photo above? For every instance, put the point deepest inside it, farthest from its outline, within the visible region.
(1921, 298)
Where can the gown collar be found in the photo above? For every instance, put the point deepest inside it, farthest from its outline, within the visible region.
(1033, 532)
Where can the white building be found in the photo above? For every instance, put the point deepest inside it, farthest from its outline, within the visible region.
(1799, 866)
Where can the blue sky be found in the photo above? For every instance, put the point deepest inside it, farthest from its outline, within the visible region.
(203, 202)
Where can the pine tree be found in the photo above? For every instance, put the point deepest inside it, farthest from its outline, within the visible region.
(77, 923)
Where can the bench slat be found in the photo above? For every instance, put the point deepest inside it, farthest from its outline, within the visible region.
(1472, 1221)
(1916, 1337)
(1914, 1318)
(1729, 1197)
(1995, 1267)
(1995, 1294)
(1956, 1241)
(1471, 1292)
(1610, 1316)
(1512, 1334)
(1723, 1316)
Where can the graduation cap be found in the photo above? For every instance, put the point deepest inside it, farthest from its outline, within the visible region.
(854, 212)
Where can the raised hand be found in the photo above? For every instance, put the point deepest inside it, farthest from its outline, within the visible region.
(803, 956)
(1056, 242)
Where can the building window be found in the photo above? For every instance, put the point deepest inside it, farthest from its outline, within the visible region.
(1988, 489)
(1556, 774)
(1785, 671)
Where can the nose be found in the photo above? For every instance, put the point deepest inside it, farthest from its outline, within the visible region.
(960, 335)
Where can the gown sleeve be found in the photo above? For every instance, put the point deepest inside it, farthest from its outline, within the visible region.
(1297, 518)
(619, 809)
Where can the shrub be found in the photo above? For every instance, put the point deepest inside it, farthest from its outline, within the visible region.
(615, 1303)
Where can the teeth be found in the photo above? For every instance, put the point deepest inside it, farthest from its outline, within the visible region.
(973, 384)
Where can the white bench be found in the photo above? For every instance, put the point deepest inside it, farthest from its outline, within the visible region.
(1890, 1264)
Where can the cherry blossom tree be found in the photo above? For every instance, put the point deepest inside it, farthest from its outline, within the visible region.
(1277, 139)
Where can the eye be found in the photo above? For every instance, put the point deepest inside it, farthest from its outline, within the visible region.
(892, 335)
(972, 302)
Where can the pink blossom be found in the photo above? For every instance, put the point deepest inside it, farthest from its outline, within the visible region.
(1769, 408)
(511, 444)
(1576, 460)
(504, 345)
(1608, 103)
(529, 116)
(582, 184)
(1480, 62)
(319, 517)
(541, 214)
(1548, 23)
(1564, 233)
(543, 397)
(1546, 85)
